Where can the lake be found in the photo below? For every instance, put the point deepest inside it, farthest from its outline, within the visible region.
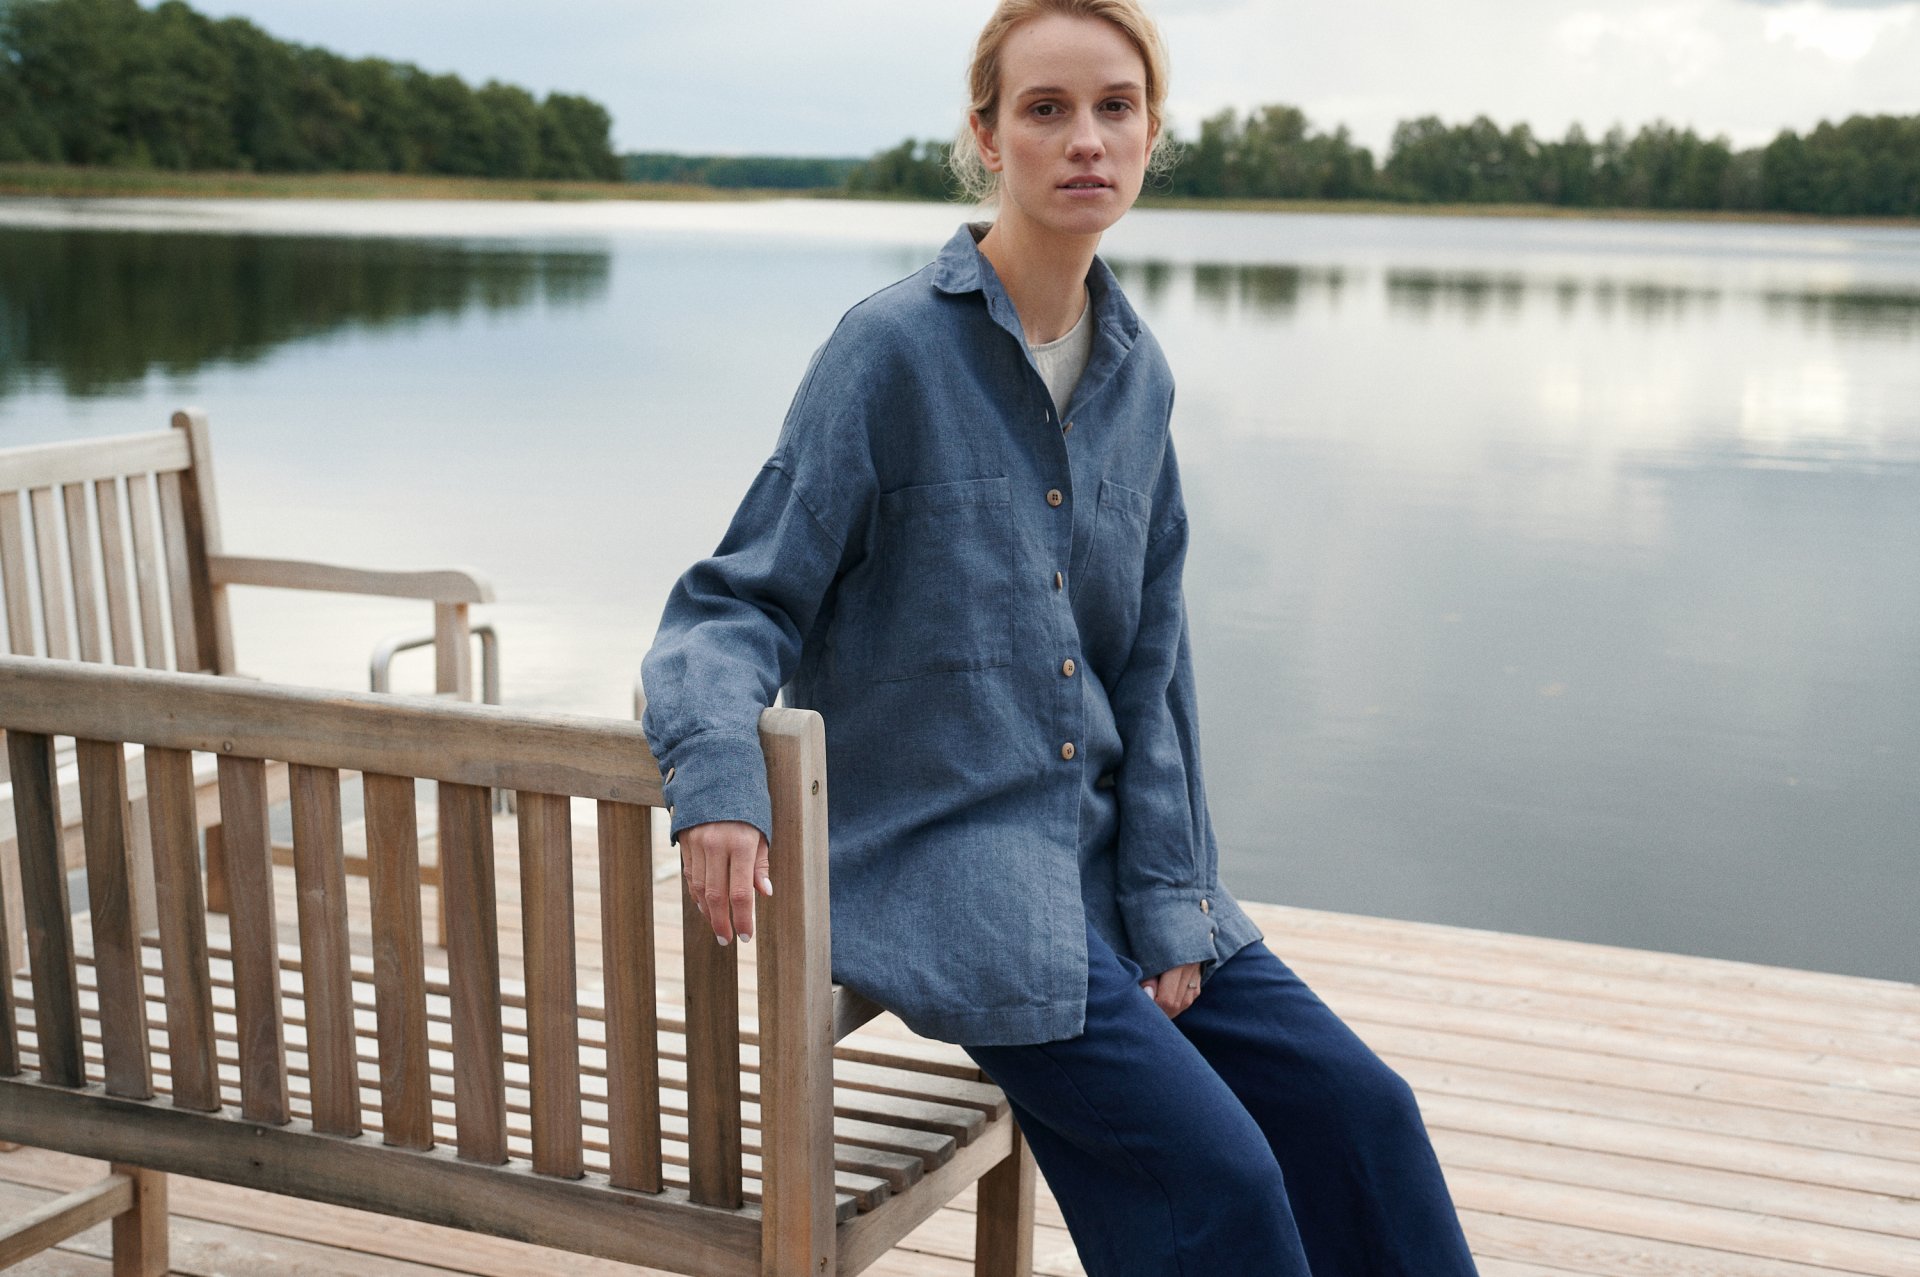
(1547, 575)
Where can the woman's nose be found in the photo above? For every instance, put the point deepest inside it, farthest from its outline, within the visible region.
(1084, 142)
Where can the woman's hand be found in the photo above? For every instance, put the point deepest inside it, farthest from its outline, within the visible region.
(722, 862)
(1173, 990)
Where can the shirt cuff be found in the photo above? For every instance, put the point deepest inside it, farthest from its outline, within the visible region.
(1169, 927)
(718, 775)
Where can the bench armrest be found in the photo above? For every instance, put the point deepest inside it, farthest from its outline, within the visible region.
(447, 585)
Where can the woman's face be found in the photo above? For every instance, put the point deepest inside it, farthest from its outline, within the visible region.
(1073, 110)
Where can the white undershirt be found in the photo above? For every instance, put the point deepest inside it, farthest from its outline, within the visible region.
(1062, 360)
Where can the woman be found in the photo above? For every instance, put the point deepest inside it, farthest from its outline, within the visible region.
(965, 551)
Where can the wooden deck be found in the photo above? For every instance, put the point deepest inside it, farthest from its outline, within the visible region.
(1598, 1110)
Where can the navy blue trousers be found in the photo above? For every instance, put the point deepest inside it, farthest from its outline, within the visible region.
(1252, 1134)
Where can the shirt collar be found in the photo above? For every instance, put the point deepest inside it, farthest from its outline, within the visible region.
(962, 268)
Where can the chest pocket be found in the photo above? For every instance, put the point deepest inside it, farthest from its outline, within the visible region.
(1108, 596)
(940, 598)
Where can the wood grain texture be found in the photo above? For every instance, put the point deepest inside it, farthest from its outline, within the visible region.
(146, 574)
(86, 598)
(183, 927)
(553, 1032)
(443, 585)
(140, 1232)
(200, 526)
(796, 1010)
(43, 890)
(177, 547)
(41, 465)
(116, 940)
(399, 961)
(53, 577)
(712, 980)
(326, 979)
(256, 960)
(113, 567)
(13, 577)
(632, 1023)
(473, 965)
(64, 1217)
(469, 744)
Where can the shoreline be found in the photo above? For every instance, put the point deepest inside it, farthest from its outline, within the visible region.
(46, 181)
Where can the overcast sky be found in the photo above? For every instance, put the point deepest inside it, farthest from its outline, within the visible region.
(848, 77)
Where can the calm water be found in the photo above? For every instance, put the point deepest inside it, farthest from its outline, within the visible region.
(1556, 577)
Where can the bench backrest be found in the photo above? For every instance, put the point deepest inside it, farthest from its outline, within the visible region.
(104, 547)
(52, 1090)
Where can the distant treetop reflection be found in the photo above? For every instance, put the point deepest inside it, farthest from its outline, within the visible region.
(100, 310)
(1274, 291)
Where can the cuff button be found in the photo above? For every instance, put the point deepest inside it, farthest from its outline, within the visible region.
(1204, 908)
(669, 776)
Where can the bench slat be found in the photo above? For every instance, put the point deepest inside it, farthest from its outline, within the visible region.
(13, 577)
(113, 563)
(116, 940)
(43, 891)
(553, 1031)
(320, 876)
(473, 962)
(173, 536)
(53, 603)
(713, 1059)
(146, 573)
(399, 961)
(86, 597)
(256, 984)
(181, 904)
(632, 1021)
(38, 465)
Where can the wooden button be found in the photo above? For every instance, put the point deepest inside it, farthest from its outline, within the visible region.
(1066, 750)
(1058, 580)
(1203, 905)
(1066, 667)
(668, 776)
(1054, 497)
(1066, 427)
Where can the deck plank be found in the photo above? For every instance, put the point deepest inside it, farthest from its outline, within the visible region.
(1599, 1110)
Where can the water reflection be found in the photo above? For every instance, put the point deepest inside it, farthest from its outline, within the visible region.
(99, 311)
(1266, 290)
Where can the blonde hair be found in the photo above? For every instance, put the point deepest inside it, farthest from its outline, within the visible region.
(983, 82)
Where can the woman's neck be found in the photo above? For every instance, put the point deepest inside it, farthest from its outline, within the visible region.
(1044, 274)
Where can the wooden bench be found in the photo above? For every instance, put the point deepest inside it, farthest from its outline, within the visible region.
(264, 1052)
(110, 551)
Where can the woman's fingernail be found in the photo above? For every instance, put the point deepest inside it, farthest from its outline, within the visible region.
(721, 939)
(766, 884)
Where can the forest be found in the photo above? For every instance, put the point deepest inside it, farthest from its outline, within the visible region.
(107, 82)
(111, 83)
(1865, 165)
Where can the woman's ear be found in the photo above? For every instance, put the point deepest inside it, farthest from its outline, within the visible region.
(983, 139)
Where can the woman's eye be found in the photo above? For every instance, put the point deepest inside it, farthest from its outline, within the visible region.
(1044, 106)
(1122, 103)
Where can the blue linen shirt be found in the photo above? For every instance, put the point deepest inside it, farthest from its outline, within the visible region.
(982, 598)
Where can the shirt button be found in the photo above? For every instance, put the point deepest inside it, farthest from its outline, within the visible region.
(1066, 750)
(1054, 497)
(1203, 905)
(1066, 427)
(668, 776)
(1066, 667)
(1058, 580)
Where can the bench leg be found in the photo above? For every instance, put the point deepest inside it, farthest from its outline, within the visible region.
(140, 1233)
(1003, 1214)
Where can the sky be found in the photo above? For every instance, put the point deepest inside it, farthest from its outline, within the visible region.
(851, 77)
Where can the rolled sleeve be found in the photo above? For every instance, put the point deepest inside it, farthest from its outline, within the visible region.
(734, 623)
(1165, 839)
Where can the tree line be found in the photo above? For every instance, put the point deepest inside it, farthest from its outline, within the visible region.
(106, 82)
(1867, 165)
